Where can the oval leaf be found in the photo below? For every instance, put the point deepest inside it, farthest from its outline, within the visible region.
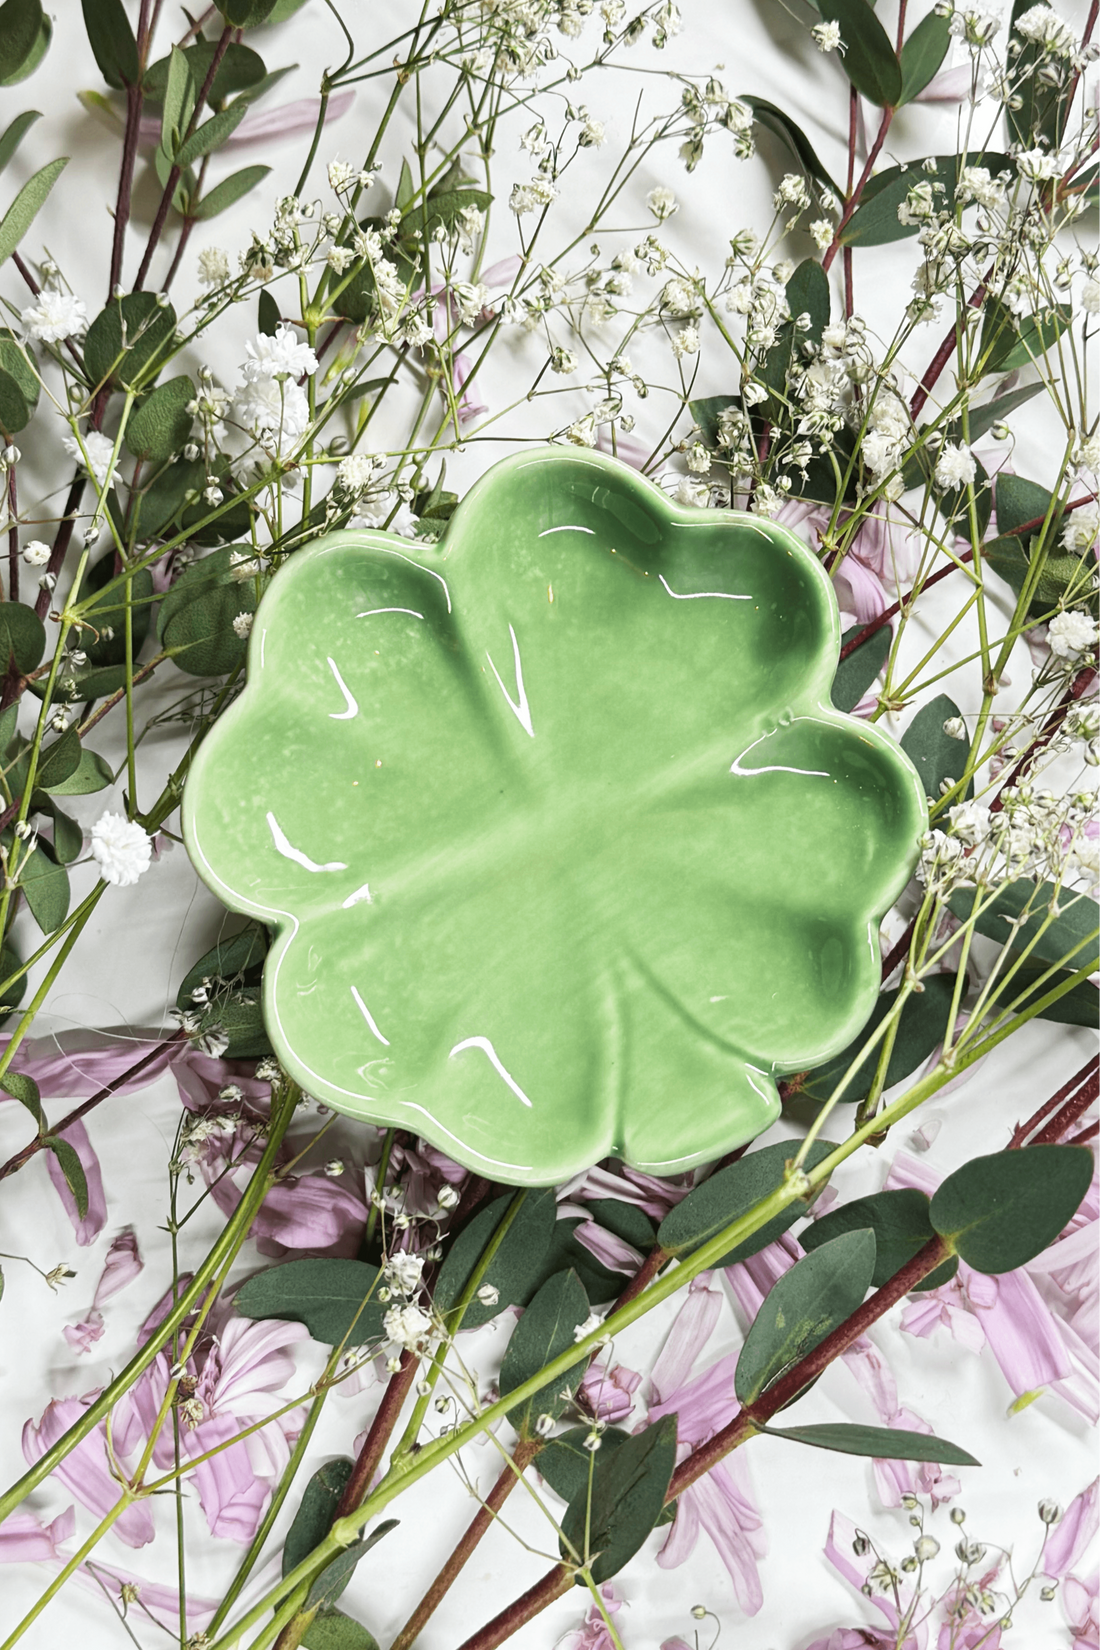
(869, 60)
(627, 1499)
(161, 425)
(884, 1443)
(26, 206)
(1001, 1211)
(899, 1220)
(515, 1266)
(316, 1511)
(22, 637)
(938, 757)
(335, 1299)
(545, 1330)
(723, 1198)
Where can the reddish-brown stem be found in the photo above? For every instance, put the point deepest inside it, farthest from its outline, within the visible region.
(117, 698)
(134, 100)
(946, 349)
(898, 951)
(1085, 1135)
(185, 232)
(854, 198)
(14, 1164)
(61, 542)
(1075, 690)
(13, 538)
(370, 1456)
(525, 1453)
(1022, 1130)
(643, 1277)
(174, 175)
(747, 1420)
(523, 1609)
(1073, 1110)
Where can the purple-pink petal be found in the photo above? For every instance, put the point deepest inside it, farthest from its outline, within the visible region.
(162, 1603)
(723, 1508)
(83, 1336)
(85, 1470)
(122, 1265)
(1070, 1538)
(693, 1326)
(24, 1539)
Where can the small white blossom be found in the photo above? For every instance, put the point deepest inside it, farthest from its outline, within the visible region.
(1071, 633)
(827, 36)
(1043, 27)
(100, 450)
(563, 360)
(403, 1272)
(242, 625)
(407, 1325)
(267, 407)
(955, 467)
(686, 342)
(488, 1294)
(662, 203)
(1036, 165)
(121, 848)
(282, 356)
(955, 727)
(35, 553)
(822, 231)
(529, 197)
(1090, 297)
(54, 316)
(214, 267)
(588, 1327)
(1078, 534)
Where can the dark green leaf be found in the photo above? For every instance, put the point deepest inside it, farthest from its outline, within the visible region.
(1020, 501)
(17, 131)
(626, 1220)
(600, 1284)
(855, 674)
(805, 1305)
(91, 773)
(112, 41)
(25, 1090)
(922, 54)
(922, 1025)
(316, 1511)
(240, 69)
(980, 419)
(545, 1330)
(160, 503)
(335, 1577)
(22, 637)
(127, 337)
(885, 1443)
(335, 1299)
(1010, 342)
(185, 185)
(284, 9)
(868, 58)
(73, 1170)
(20, 29)
(26, 206)
(246, 14)
(229, 191)
(1013, 563)
(875, 220)
(406, 188)
(45, 886)
(332, 1630)
(108, 613)
(68, 837)
(197, 614)
(726, 1196)
(1001, 1211)
(1080, 1006)
(234, 961)
(938, 757)
(239, 1016)
(269, 317)
(82, 685)
(16, 361)
(628, 1497)
(1037, 111)
(9, 962)
(58, 761)
(212, 133)
(15, 415)
(566, 1465)
(162, 424)
(899, 1220)
(514, 1269)
(9, 77)
(1070, 940)
(443, 209)
(781, 125)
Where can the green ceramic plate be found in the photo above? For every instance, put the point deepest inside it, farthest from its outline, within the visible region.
(566, 851)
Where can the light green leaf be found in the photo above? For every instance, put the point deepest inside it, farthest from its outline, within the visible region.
(229, 191)
(213, 133)
(25, 1090)
(15, 133)
(26, 206)
(45, 885)
(180, 93)
(331, 1629)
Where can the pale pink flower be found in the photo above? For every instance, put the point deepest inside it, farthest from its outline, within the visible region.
(1079, 1603)
(856, 1571)
(594, 1634)
(89, 1225)
(428, 1170)
(610, 1250)
(608, 1394)
(122, 1265)
(721, 1503)
(1074, 1533)
(83, 1336)
(264, 125)
(881, 560)
(85, 1471)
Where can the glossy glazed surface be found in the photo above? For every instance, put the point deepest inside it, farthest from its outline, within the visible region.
(567, 851)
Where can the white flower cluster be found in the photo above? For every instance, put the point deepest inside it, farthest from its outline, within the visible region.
(1032, 833)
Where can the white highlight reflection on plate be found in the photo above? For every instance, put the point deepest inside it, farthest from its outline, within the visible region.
(369, 1017)
(286, 848)
(697, 595)
(520, 709)
(495, 1062)
(349, 698)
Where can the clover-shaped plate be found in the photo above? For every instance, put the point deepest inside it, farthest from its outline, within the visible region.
(567, 852)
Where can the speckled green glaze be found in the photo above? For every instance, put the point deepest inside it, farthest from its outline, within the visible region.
(566, 850)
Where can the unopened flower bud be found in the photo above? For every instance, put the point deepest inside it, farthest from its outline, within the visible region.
(1049, 1511)
(926, 1548)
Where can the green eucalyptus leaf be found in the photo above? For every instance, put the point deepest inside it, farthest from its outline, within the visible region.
(938, 757)
(58, 761)
(10, 961)
(316, 1511)
(1080, 1006)
(1001, 1211)
(921, 1027)
(269, 319)
(27, 67)
(546, 1329)
(21, 24)
(84, 683)
(855, 674)
(568, 1466)
(284, 9)
(628, 1496)
(922, 54)
(68, 836)
(885, 1443)
(45, 886)
(331, 1629)
(197, 614)
(26, 206)
(15, 415)
(626, 1220)
(19, 127)
(127, 338)
(73, 1170)
(212, 133)
(1008, 558)
(780, 124)
(112, 41)
(1010, 342)
(1069, 940)
(724, 1197)
(406, 188)
(240, 70)
(868, 59)
(25, 1090)
(178, 96)
(18, 362)
(875, 221)
(335, 1299)
(514, 1268)
(806, 1304)
(159, 503)
(899, 1220)
(335, 1576)
(443, 209)
(235, 961)
(566, 1252)
(91, 774)
(706, 413)
(1020, 501)
(162, 424)
(229, 192)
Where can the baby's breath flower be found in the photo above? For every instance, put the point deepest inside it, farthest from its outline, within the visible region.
(822, 231)
(214, 267)
(54, 316)
(242, 625)
(827, 37)
(408, 1326)
(96, 456)
(35, 553)
(1079, 532)
(955, 467)
(1071, 634)
(121, 848)
(662, 203)
(686, 342)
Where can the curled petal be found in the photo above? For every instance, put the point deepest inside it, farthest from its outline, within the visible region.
(24, 1539)
(85, 1471)
(122, 1265)
(83, 1336)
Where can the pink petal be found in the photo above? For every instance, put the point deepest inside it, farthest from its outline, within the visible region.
(83, 1336)
(1024, 1335)
(949, 86)
(609, 1394)
(163, 1603)
(609, 1250)
(88, 1228)
(859, 590)
(300, 116)
(691, 1330)
(504, 272)
(24, 1539)
(704, 1405)
(732, 1523)
(74, 1073)
(838, 1550)
(85, 1470)
(1070, 1538)
(232, 1497)
(122, 1265)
